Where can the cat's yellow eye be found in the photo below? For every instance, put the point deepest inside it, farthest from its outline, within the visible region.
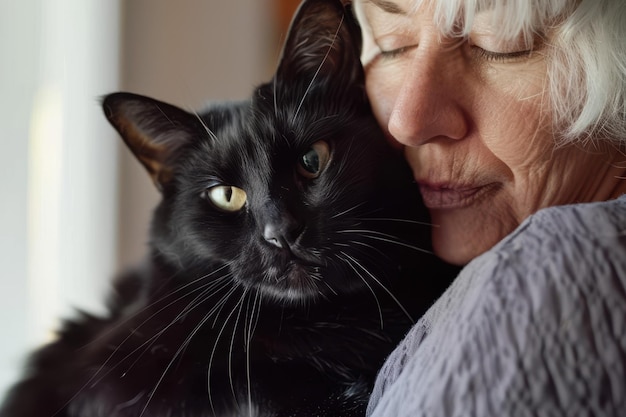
(314, 160)
(227, 198)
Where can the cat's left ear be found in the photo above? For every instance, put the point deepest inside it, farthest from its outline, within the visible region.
(324, 40)
(153, 130)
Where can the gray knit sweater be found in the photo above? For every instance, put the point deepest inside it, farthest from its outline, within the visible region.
(536, 326)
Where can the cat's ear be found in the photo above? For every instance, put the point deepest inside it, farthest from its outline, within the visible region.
(154, 131)
(324, 40)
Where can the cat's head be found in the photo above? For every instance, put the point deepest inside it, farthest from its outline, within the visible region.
(296, 190)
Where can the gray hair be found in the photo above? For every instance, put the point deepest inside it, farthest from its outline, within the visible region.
(586, 56)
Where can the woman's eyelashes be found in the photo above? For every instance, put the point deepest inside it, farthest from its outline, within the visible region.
(491, 48)
(492, 56)
(475, 50)
(392, 53)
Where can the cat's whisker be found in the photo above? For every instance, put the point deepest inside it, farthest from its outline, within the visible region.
(92, 381)
(164, 114)
(259, 295)
(219, 306)
(211, 134)
(331, 289)
(381, 285)
(217, 340)
(204, 296)
(145, 345)
(384, 237)
(370, 247)
(162, 299)
(171, 362)
(350, 261)
(388, 219)
(319, 68)
(230, 348)
(252, 323)
(212, 288)
(345, 212)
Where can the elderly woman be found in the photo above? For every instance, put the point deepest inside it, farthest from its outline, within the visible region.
(512, 116)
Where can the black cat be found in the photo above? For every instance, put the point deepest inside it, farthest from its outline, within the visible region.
(288, 254)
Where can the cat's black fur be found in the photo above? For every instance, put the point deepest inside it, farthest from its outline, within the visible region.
(276, 308)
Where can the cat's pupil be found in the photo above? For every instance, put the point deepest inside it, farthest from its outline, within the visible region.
(314, 160)
(311, 161)
(228, 194)
(226, 197)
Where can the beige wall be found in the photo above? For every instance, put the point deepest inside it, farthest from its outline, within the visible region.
(186, 52)
(59, 240)
(58, 166)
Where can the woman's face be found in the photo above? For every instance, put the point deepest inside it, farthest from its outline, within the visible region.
(472, 118)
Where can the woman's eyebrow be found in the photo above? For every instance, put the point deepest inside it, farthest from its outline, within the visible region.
(388, 6)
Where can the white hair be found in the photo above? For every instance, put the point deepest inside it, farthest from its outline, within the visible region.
(585, 55)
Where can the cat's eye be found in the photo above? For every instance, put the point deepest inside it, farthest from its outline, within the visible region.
(314, 160)
(227, 197)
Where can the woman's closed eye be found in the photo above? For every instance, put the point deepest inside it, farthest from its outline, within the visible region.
(491, 48)
(487, 55)
(395, 45)
(394, 53)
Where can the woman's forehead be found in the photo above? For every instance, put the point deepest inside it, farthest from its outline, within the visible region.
(507, 19)
(391, 6)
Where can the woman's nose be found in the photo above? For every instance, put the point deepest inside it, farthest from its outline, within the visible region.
(429, 101)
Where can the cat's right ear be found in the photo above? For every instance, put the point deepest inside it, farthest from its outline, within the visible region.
(154, 131)
(324, 40)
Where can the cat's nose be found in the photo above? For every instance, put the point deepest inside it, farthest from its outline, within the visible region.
(274, 235)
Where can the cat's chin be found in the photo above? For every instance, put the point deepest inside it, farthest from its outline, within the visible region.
(297, 283)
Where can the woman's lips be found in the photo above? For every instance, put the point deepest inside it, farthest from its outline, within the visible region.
(449, 196)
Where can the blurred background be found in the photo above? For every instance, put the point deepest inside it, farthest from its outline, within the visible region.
(74, 205)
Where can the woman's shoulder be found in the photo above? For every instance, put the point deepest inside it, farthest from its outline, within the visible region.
(561, 246)
(598, 221)
(525, 327)
(563, 241)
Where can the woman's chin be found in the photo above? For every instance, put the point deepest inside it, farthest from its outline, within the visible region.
(457, 239)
